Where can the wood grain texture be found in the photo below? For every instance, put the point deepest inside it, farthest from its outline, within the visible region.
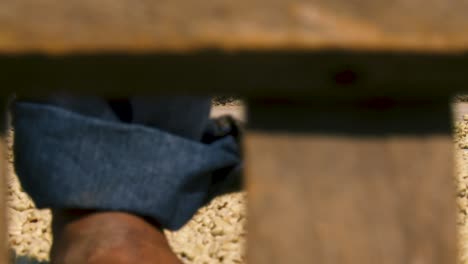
(57, 26)
(327, 200)
(350, 198)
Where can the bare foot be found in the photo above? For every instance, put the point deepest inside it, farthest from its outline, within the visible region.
(107, 237)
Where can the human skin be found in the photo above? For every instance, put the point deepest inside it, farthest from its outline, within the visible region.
(92, 237)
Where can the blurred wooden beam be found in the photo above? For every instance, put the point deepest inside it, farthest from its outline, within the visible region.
(54, 26)
(350, 185)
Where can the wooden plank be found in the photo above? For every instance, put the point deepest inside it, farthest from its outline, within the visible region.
(342, 196)
(56, 26)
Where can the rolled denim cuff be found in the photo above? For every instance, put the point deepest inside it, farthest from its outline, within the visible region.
(68, 160)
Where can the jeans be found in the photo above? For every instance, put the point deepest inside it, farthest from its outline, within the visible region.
(158, 157)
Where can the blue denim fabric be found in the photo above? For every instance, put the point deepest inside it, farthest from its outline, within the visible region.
(78, 153)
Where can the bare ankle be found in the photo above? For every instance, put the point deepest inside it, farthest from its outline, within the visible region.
(109, 237)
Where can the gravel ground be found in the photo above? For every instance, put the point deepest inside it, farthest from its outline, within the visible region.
(217, 233)
(461, 168)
